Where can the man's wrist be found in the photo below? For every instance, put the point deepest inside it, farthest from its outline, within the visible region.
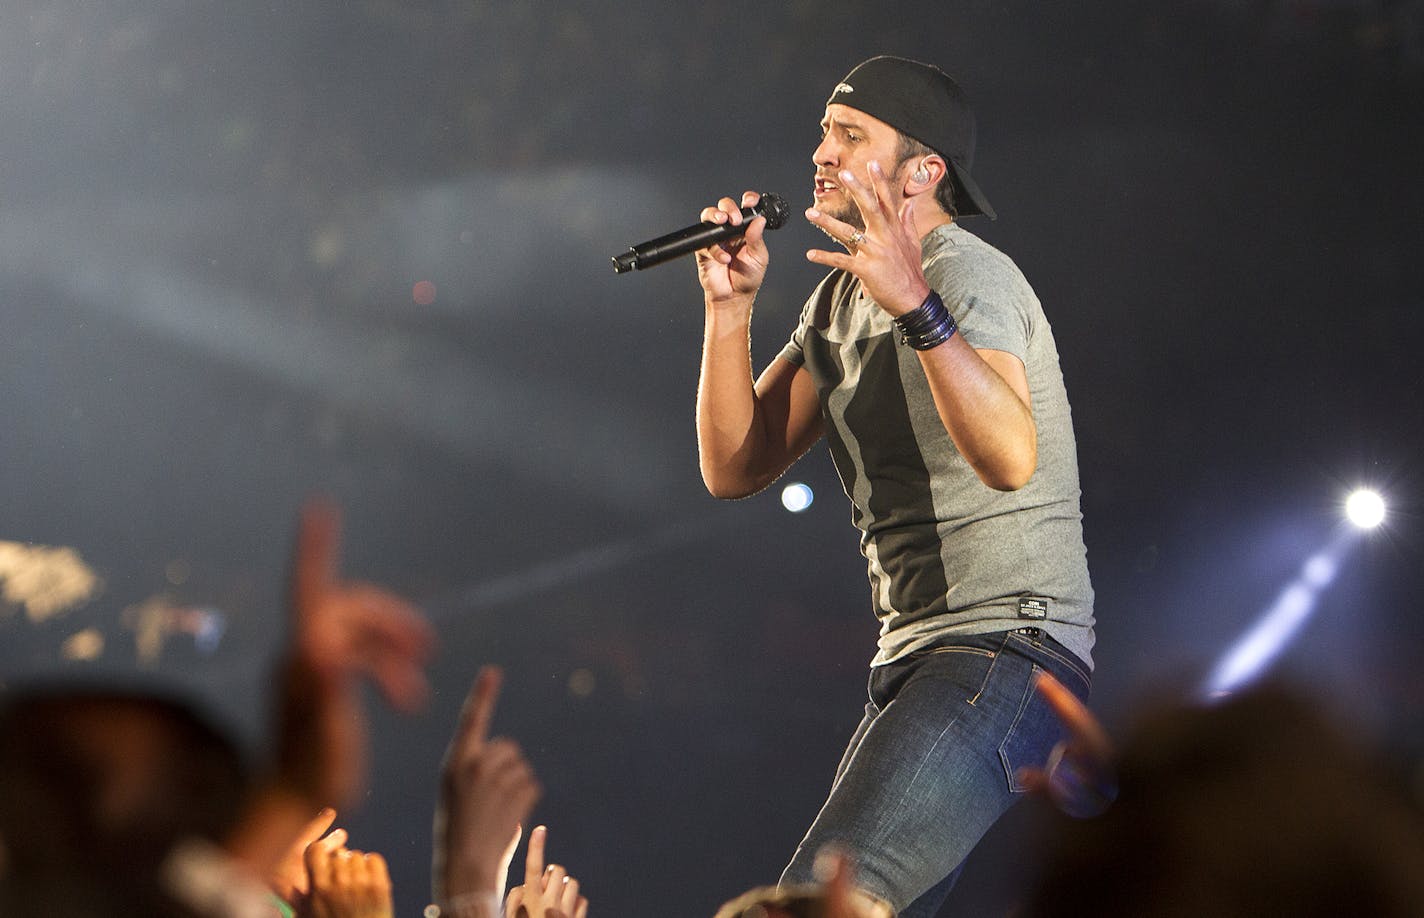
(724, 320)
(928, 325)
(735, 305)
(908, 302)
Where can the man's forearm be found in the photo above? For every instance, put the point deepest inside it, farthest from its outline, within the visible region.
(729, 434)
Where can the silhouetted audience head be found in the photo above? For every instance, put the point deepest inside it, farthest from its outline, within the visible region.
(117, 802)
(766, 902)
(835, 897)
(96, 787)
(769, 902)
(1257, 805)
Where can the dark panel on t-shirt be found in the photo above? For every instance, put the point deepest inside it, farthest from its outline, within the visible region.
(879, 415)
(823, 362)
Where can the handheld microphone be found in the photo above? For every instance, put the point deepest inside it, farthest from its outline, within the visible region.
(699, 236)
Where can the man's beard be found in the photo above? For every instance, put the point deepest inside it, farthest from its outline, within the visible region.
(847, 213)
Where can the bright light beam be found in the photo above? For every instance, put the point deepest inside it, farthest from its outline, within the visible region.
(1258, 647)
(1269, 636)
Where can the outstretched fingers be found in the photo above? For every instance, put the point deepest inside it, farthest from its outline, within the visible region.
(842, 232)
(871, 195)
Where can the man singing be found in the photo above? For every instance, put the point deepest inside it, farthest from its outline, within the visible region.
(925, 359)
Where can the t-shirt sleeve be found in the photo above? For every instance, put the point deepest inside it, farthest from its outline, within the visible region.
(988, 297)
(794, 352)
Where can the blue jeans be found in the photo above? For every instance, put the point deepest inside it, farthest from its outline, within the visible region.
(933, 763)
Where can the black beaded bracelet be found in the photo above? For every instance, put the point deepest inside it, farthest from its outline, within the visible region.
(928, 325)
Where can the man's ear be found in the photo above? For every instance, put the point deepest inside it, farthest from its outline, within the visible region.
(927, 174)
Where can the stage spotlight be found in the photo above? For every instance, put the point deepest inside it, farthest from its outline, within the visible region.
(796, 497)
(1365, 509)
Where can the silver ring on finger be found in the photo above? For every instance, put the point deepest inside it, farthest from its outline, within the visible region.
(856, 238)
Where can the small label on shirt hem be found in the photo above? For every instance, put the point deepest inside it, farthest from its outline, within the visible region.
(1033, 607)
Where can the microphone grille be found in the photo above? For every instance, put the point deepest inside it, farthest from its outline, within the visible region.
(774, 207)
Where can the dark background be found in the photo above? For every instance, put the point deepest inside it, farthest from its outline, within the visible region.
(213, 215)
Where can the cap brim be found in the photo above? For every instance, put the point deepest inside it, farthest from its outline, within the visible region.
(972, 203)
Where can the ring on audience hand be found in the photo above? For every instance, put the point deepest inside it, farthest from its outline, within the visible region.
(856, 238)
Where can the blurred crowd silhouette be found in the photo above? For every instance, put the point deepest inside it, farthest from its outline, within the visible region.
(119, 801)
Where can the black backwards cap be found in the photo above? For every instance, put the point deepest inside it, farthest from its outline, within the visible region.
(923, 102)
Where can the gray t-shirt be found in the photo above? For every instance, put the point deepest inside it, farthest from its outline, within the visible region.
(947, 555)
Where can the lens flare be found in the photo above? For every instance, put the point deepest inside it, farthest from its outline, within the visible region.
(1365, 508)
(797, 497)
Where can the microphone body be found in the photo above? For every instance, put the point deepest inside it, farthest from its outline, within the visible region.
(700, 236)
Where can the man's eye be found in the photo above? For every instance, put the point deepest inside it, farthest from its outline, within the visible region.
(853, 138)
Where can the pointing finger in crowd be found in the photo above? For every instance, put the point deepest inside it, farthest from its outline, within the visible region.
(478, 713)
(1081, 723)
(534, 859)
(315, 556)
